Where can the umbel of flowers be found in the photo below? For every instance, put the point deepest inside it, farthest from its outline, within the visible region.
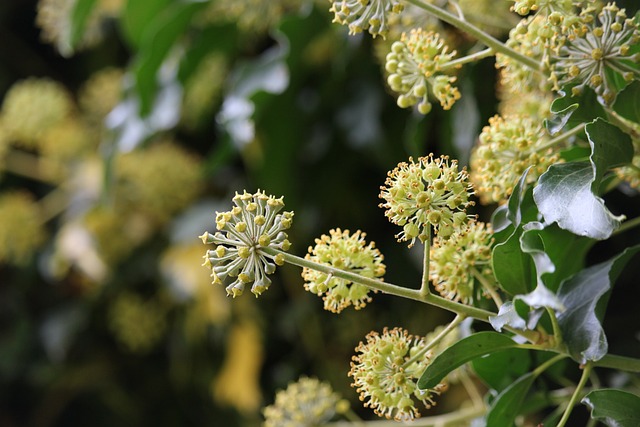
(254, 223)
(385, 372)
(414, 66)
(432, 192)
(347, 252)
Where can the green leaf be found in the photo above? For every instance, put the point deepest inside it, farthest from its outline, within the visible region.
(72, 34)
(628, 102)
(615, 408)
(506, 406)
(585, 296)
(572, 111)
(501, 369)
(513, 269)
(137, 16)
(463, 351)
(159, 37)
(507, 316)
(531, 243)
(566, 193)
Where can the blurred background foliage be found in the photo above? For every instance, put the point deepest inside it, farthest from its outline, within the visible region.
(125, 124)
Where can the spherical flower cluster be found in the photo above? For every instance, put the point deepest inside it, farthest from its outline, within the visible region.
(305, 403)
(360, 15)
(100, 94)
(414, 65)
(454, 260)
(524, 7)
(33, 106)
(21, 229)
(386, 370)
(69, 139)
(255, 222)
(529, 38)
(54, 18)
(429, 192)
(507, 147)
(137, 324)
(598, 53)
(346, 252)
(158, 181)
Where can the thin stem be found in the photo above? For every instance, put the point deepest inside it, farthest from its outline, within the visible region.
(471, 389)
(457, 63)
(576, 394)
(540, 369)
(426, 264)
(627, 225)
(451, 326)
(388, 288)
(562, 137)
(557, 333)
(53, 204)
(491, 290)
(476, 32)
(30, 166)
(450, 419)
(621, 363)
(626, 125)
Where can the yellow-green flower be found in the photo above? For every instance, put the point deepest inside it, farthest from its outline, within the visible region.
(507, 147)
(21, 229)
(136, 323)
(33, 106)
(598, 53)
(431, 192)
(370, 15)
(454, 261)
(385, 372)
(255, 222)
(346, 252)
(305, 403)
(415, 65)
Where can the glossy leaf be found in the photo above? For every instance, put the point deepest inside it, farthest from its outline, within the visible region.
(506, 407)
(585, 296)
(567, 192)
(507, 316)
(570, 111)
(463, 351)
(501, 369)
(628, 102)
(513, 269)
(531, 243)
(615, 408)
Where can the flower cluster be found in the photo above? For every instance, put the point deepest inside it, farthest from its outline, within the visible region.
(159, 181)
(252, 16)
(386, 370)
(453, 261)
(525, 7)
(415, 64)
(305, 403)
(33, 106)
(507, 147)
(429, 192)
(21, 229)
(346, 252)
(254, 223)
(360, 15)
(597, 53)
(137, 324)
